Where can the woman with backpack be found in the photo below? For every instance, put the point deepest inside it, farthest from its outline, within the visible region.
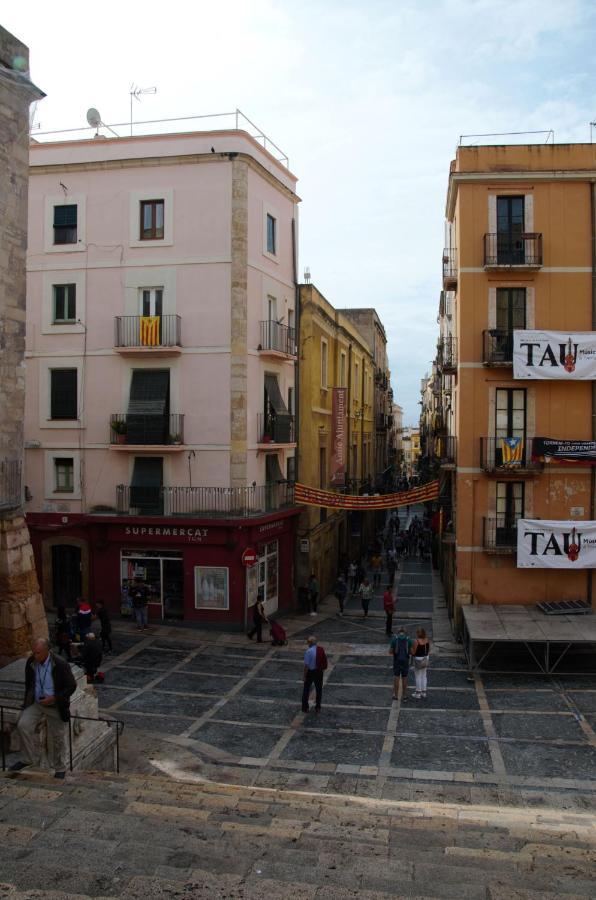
(400, 649)
(420, 654)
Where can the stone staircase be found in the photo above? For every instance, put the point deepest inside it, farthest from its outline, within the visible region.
(147, 836)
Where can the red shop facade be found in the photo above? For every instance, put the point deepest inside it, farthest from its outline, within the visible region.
(193, 568)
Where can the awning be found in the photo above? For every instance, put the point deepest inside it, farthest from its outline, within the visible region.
(274, 394)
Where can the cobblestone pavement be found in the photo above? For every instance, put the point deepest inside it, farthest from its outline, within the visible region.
(233, 708)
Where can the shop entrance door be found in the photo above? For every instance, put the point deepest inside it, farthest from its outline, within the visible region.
(162, 572)
(66, 574)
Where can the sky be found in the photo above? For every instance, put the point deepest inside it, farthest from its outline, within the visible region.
(367, 99)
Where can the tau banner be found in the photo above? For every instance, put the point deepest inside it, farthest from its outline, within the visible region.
(338, 438)
(553, 450)
(555, 545)
(554, 354)
(329, 499)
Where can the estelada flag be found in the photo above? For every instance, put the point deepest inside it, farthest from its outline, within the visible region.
(512, 449)
(331, 500)
(149, 331)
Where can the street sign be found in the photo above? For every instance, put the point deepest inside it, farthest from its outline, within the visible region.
(249, 557)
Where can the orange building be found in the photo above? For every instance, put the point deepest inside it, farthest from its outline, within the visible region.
(519, 272)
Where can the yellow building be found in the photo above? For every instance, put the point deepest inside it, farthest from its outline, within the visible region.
(333, 354)
(519, 275)
(411, 448)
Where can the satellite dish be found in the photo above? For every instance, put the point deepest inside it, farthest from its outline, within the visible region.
(93, 117)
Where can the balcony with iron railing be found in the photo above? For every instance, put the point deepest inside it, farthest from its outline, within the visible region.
(500, 534)
(11, 487)
(449, 268)
(497, 347)
(148, 335)
(445, 449)
(447, 354)
(133, 431)
(508, 456)
(277, 340)
(275, 428)
(523, 250)
(210, 502)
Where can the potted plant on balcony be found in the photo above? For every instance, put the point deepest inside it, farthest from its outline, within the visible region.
(119, 428)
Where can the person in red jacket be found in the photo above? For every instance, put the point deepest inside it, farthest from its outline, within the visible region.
(389, 607)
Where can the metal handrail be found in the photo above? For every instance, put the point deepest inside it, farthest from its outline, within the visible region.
(109, 722)
(128, 333)
(522, 248)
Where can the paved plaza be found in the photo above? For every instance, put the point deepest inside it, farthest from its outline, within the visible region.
(233, 707)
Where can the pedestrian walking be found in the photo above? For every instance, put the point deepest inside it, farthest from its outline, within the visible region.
(259, 619)
(420, 654)
(315, 663)
(352, 577)
(105, 624)
(389, 607)
(49, 685)
(140, 598)
(365, 590)
(400, 650)
(340, 590)
(89, 656)
(313, 593)
(84, 617)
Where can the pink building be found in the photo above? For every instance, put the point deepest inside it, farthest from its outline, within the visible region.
(161, 355)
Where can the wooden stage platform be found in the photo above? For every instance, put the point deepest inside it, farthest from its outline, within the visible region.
(547, 639)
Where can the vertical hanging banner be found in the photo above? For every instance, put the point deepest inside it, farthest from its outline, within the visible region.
(556, 545)
(554, 354)
(338, 438)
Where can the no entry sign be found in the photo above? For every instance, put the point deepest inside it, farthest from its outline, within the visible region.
(249, 557)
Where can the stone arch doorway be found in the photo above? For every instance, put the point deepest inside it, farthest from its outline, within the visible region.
(65, 571)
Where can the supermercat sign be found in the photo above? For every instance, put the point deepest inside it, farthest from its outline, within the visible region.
(543, 544)
(554, 355)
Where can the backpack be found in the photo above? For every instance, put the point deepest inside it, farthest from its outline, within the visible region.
(321, 659)
(402, 647)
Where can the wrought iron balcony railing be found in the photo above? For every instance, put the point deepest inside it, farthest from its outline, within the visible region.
(445, 449)
(210, 502)
(500, 533)
(523, 249)
(447, 354)
(147, 331)
(275, 428)
(449, 266)
(497, 347)
(507, 454)
(279, 338)
(148, 429)
(11, 488)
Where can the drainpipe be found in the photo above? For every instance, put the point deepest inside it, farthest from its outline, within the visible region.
(593, 468)
(297, 361)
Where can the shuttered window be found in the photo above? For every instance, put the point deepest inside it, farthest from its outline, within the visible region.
(147, 481)
(63, 394)
(65, 224)
(148, 407)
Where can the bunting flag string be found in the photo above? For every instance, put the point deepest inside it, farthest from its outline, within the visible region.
(331, 500)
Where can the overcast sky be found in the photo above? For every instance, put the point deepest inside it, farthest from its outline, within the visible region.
(368, 100)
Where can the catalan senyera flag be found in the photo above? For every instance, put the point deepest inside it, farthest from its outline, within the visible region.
(149, 331)
(512, 449)
(331, 500)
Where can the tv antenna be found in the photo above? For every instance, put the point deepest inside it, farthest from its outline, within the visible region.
(94, 120)
(136, 94)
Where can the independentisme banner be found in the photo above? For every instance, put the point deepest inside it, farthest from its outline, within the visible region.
(542, 544)
(318, 497)
(554, 354)
(553, 450)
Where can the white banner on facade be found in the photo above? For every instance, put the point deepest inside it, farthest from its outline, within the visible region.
(555, 545)
(554, 354)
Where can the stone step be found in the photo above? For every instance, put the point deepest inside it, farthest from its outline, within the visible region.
(150, 836)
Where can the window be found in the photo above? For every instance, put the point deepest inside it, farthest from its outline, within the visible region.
(64, 303)
(65, 224)
(291, 469)
(151, 301)
(63, 394)
(510, 231)
(510, 508)
(510, 426)
(342, 369)
(324, 364)
(146, 494)
(152, 220)
(271, 234)
(356, 382)
(64, 474)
